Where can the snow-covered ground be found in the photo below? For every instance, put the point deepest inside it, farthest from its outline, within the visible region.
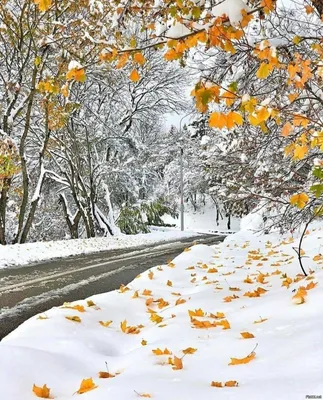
(237, 321)
(22, 254)
(204, 219)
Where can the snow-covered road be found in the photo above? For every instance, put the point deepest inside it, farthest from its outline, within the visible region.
(32, 289)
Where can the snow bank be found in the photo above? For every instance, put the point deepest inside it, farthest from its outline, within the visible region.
(22, 254)
(250, 279)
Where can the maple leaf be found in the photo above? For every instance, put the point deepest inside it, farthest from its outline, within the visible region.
(156, 318)
(248, 280)
(176, 294)
(77, 307)
(169, 283)
(299, 297)
(225, 324)
(135, 295)
(189, 350)
(144, 342)
(105, 324)
(139, 58)
(149, 301)
(311, 285)
(74, 318)
(287, 128)
(123, 289)
(105, 375)
(231, 383)
(134, 76)
(216, 384)
(159, 352)
(90, 303)
(147, 292)
(179, 301)
(245, 360)
(264, 70)
(42, 392)
(77, 74)
(247, 335)
(212, 270)
(177, 363)
(150, 274)
(86, 386)
(43, 5)
(299, 200)
(218, 315)
(197, 313)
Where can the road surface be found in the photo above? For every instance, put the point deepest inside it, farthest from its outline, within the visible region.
(29, 290)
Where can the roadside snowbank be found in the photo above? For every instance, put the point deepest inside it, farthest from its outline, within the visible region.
(250, 279)
(22, 254)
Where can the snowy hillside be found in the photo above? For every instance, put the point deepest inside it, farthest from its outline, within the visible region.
(237, 321)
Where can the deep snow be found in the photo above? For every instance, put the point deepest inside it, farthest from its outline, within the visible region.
(287, 332)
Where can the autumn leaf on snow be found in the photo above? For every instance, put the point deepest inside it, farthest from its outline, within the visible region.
(105, 323)
(42, 392)
(106, 375)
(189, 350)
(74, 318)
(197, 313)
(156, 318)
(247, 335)
(169, 283)
(42, 317)
(159, 352)
(77, 307)
(144, 342)
(146, 292)
(146, 395)
(218, 315)
(150, 274)
(227, 384)
(299, 297)
(123, 289)
(179, 301)
(176, 362)
(86, 386)
(245, 360)
(129, 329)
(260, 320)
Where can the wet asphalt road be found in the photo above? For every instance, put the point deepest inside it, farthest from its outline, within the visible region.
(29, 290)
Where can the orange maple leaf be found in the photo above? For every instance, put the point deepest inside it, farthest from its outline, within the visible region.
(105, 323)
(105, 375)
(179, 301)
(74, 318)
(197, 313)
(189, 350)
(245, 360)
(247, 335)
(42, 392)
(146, 292)
(134, 76)
(177, 363)
(86, 386)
